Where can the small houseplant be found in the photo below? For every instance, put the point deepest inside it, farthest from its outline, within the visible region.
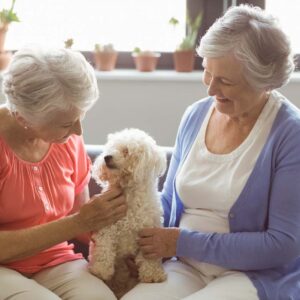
(69, 43)
(105, 57)
(184, 55)
(7, 16)
(145, 61)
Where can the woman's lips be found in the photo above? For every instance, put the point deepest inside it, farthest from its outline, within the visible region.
(222, 100)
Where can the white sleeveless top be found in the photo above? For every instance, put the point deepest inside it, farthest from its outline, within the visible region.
(209, 184)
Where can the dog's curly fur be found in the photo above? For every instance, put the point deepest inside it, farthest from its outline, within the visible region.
(132, 160)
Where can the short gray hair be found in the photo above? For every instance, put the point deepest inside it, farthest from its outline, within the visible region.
(257, 41)
(39, 82)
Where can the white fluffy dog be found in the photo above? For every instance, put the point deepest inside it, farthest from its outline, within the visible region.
(132, 160)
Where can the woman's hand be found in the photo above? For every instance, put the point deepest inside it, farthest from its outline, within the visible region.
(102, 210)
(158, 242)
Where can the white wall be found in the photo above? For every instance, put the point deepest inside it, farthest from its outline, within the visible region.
(153, 102)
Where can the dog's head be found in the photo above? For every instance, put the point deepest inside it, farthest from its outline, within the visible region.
(130, 156)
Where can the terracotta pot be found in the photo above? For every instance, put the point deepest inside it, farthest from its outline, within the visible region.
(184, 60)
(5, 58)
(105, 61)
(3, 31)
(145, 63)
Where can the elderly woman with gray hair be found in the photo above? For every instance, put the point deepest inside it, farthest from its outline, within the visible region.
(232, 194)
(44, 172)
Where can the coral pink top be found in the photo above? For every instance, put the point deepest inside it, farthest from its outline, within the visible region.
(36, 193)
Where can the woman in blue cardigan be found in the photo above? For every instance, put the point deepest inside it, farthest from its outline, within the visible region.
(232, 195)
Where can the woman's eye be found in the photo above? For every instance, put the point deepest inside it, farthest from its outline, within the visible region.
(206, 77)
(206, 74)
(226, 82)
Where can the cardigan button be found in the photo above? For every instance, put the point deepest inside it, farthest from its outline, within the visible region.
(231, 215)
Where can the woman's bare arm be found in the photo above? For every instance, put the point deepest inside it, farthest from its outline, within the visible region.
(101, 211)
(79, 201)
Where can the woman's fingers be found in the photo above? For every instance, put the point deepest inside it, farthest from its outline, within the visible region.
(111, 193)
(145, 241)
(148, 249)
(147, 232)
(151, 255)
(103, 209)
(158, 242)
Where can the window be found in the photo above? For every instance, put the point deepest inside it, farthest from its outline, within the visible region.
(126, 24)
(288, 13)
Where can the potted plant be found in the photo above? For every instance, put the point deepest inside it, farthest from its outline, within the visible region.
(69, 43)
(105, 57)
(145, 61)
(184, 55)
(6, 17)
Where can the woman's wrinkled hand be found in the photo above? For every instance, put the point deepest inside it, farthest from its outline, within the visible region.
(158, 242)
(102, 210)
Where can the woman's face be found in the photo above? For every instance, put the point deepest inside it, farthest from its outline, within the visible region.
(233, 95)
(60, 127)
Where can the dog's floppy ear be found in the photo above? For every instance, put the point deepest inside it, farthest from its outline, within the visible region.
(160, 161)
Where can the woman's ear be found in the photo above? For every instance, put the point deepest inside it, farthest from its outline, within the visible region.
(20, 120)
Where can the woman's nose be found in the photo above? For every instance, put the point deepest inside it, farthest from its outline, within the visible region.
(212, 87)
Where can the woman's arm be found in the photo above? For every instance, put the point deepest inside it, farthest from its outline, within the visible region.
(279, 242)
(79, 201)
(102, 210)
(276, 245)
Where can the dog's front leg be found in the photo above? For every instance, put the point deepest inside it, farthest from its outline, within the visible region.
(103, 253)
(150, 270)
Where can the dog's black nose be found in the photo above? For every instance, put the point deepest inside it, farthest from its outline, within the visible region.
(108, 159)
(109, 162)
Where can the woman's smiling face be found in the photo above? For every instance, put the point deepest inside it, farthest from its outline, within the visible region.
(225, 81)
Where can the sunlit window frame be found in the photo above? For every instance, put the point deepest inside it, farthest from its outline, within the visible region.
(211, 9)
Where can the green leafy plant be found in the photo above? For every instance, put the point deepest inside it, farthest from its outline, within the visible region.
(139, 52)
(8, 15)
(189, 41)
(69, 43)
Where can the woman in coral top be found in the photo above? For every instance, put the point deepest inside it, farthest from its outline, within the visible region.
(44, 172)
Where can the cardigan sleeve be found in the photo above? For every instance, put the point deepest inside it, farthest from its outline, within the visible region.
(279, 242)
(167, 192)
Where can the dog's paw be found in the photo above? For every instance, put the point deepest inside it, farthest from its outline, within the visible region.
(159, 276)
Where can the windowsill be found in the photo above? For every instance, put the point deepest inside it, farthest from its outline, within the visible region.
(160, 75)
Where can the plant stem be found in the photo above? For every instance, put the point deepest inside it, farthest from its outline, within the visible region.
(12, 6)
